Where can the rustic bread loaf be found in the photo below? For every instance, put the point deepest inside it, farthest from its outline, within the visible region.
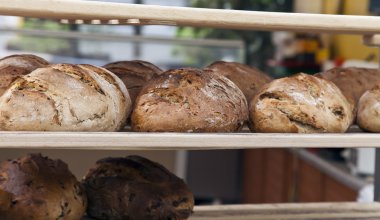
(136, 188)
(35, 188)
(65, 97)
(134, 74)
(249, 79)
(300, 104)
(14, 66)
(352, 81)
(190, 100)
(368, 116)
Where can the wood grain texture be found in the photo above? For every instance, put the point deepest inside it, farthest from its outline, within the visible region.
(116, 13)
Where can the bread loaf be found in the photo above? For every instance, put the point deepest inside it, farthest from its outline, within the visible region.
(190, 100)
(36, 188)
(352, 81)
(134, 74)
(65, 97)
(368, 116)
(136, 188)
(300, 104)
(249, 79)
(14, 66)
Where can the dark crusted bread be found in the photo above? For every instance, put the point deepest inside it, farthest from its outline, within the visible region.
(300, 104)
(368, 116)
(14, 66)
(190, 100)
(249, 79)
(65, 97)
(352, 81)
(37, 188)
(134, 74)
(136, 188)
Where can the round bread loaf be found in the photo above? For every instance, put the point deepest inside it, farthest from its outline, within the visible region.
(65, 97)
(136, 188)
(190, 100)
(300, 104)
(35, 187)
(368, 116)
(249, 79)
(352, 81)
(134, 74)
(14, 66)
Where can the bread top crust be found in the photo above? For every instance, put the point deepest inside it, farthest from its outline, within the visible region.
(64, 97)
(35, 187)
(249, 79)
(300, 104)
(134, 74)
(190, 100)
(368, 116)
(15, 66)
(352, 81)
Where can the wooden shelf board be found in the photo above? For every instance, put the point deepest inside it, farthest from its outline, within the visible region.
(184, 141)
(305, 211)
(119, 13)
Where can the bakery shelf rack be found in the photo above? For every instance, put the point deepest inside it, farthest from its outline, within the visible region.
(91, 12)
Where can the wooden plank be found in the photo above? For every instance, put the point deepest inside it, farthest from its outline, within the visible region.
(184, 141)
(117, 13)
(372, 40)
(311, 211)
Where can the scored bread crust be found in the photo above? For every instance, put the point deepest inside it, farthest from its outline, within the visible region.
(136, 188)
(368, 116)
(14, 66)
(134, 74)
(190, 100)
(35, 187)
(300, 104)
(249, 79)
(352, 81)
(65, 97)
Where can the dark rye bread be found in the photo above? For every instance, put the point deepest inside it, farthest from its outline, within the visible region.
(189, 100)
(38, 188)
(249, 79)
(15, 66)
(300, 104)
(134, 74)
(65, 97)
(136, 188)
(352, 81)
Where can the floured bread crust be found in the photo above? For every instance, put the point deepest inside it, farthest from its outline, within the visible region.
(15, 66)
(300, 104)
(65, 97)
(368, 117)
(190, 100)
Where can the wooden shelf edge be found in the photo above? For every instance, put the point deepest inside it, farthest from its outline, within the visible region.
(118, 13)
(181, 141)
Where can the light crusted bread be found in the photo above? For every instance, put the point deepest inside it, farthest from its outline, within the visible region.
(134, 74)
(136, 188)
(249, 79)
(352, 81)
(14, 66)
(190, 100)
(35, 188)
(65, 97)
(368, 116)
(300, 104)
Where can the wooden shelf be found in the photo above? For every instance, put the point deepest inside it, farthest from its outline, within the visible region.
(178, 141)
(119, 13)
(311, 211)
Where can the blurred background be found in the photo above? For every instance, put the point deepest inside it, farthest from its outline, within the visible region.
(249, 176)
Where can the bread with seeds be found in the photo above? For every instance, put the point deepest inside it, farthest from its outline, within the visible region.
(65, 97)
(190, 100)
(300, 104)
(15, 66)
(35, 188)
